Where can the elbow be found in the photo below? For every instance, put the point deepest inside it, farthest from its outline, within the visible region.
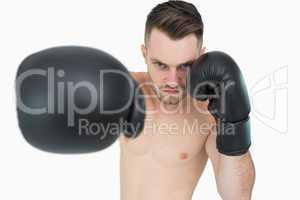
(236, 196)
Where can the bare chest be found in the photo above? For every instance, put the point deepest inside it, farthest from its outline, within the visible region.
(170, 139)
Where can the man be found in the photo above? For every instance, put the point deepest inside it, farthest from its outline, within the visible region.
(169, 156)
(75, 99)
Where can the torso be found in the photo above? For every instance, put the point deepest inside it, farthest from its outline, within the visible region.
(168, 157)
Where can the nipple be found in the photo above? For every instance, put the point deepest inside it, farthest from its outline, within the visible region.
(183, 156)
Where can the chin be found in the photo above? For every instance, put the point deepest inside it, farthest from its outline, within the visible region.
(171, 99)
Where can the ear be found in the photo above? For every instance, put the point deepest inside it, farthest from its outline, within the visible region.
(144, 51)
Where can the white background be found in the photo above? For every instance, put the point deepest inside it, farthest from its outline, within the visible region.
(263, 36)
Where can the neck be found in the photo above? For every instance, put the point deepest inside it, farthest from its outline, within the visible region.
(180, 108)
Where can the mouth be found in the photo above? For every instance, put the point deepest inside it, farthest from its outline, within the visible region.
(171, 91)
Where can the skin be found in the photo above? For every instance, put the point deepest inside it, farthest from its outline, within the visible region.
(168, 158)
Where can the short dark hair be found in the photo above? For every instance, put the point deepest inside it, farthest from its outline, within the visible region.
(176, 18)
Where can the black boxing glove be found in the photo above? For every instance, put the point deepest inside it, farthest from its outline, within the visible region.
(216, 76)
(76, 100)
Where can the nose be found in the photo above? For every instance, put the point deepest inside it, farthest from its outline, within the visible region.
(173, 77)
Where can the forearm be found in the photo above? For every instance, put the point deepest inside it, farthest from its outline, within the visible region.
(235, 177)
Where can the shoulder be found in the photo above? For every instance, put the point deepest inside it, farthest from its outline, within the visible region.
(139, 77)
(201, 110)
(145, 83)
(143, 80)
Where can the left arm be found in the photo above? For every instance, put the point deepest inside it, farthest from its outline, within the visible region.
(217, 77)
(235, 175)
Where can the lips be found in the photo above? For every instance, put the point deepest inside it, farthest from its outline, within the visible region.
(170, 91)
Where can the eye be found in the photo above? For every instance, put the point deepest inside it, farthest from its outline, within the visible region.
(185, 66)
(160, 65)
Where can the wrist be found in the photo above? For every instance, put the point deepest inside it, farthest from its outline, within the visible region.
(233, 139)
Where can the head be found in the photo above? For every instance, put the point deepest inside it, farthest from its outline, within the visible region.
(173, 41)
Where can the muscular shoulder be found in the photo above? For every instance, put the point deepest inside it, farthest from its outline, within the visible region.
(201, 109)
(143, 80)
(139, 77)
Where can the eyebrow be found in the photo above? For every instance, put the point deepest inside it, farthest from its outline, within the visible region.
(189, 62)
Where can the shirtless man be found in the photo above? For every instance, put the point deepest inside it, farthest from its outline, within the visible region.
(62, 108)
(168, 158)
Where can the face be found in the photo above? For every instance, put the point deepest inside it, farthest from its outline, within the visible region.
(168, 64)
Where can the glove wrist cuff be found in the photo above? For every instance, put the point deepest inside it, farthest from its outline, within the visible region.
(234, 138)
